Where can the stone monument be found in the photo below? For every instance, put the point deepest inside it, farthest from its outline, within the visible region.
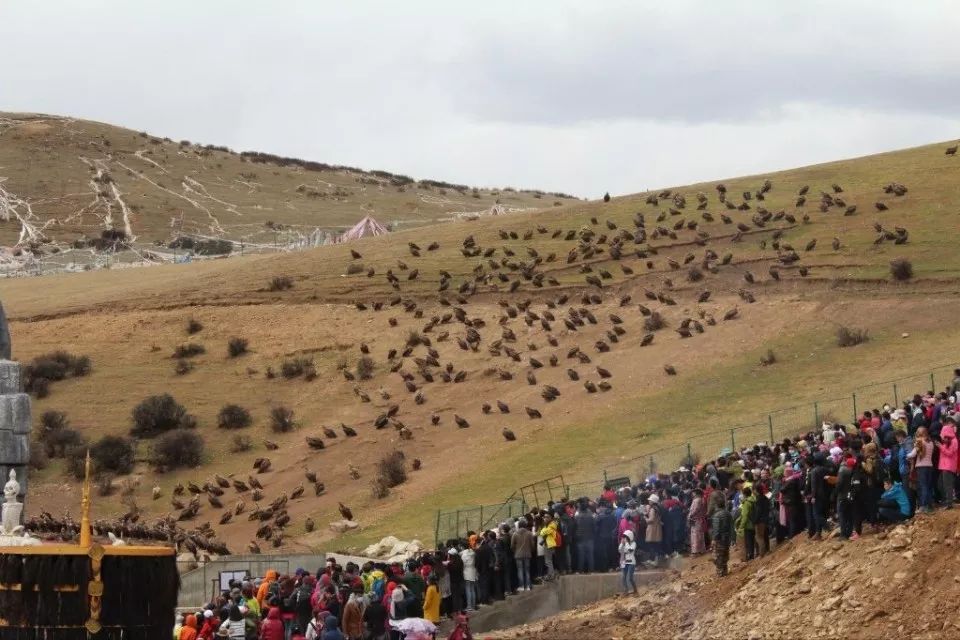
(15, 420)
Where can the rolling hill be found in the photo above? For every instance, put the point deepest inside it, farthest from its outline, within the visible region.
(74, 186)
(523, 309)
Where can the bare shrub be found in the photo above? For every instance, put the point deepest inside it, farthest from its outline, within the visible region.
(160, 413)
(379, 489)
(177, 448)
(281, 419)
(129, 486)
(237, 347)
(355, 268)
(280, 283)
(240, 443)
(365, 368)
(189, 350)
(104, 484)
(768, 359)
(654, 321)
(850, 337)
(194, 326)
(53, 367)
(233, 416)
(901, 269)
(694, 274)
(296, 367)
(182, 367)
(414, 338)
(392, 469)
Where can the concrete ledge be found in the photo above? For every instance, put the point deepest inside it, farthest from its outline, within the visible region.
(552, 598)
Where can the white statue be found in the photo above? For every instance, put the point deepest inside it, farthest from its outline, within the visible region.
(12, 489)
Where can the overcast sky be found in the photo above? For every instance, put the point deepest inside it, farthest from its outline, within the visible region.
(582, 97)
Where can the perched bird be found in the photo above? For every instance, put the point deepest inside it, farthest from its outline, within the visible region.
(836, 244)
(157, 493)
(671, 371)
(533, 413)
(308, 524)
(315, 443)
(461, 422)
(503, 407)
(270, 445)
(345, 512)
(509, 435)
(350, 432)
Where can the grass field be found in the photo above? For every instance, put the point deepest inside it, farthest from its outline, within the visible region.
(129, 322)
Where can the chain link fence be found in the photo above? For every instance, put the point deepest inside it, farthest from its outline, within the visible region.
(778, 424)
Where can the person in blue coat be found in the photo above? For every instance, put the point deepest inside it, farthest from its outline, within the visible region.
(894, 503)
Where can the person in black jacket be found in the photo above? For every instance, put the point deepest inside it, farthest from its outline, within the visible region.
(819, 494)
(606, 540)
(483, 561)
(761, 518)
(585, 535)
(455, 568)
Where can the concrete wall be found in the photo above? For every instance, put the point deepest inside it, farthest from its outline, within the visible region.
(552, 598)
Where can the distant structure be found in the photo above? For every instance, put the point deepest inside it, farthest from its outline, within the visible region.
(363, 229)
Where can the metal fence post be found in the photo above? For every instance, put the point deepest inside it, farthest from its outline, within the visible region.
(816, 415)
(933, 385)
(458, 523)
(770, 425)
(605, 479)
(854, 407)
(652, 466)
(733, 442)
(436, 532)
(896, 398)
(689, 455)
(481, 518)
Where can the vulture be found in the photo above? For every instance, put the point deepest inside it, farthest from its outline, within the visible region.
(485, 408)
(951, 151)
(271, 445)
(330, 433)
(350, 432)
(315, 443)
(310, 475)
(461, 422)
(572, 374)
(589, 386)
(308, 524)
(298, 492)
(811, 245)
(703, 297)
(533, 413)
(603, 373)
(836, 244)
(503, 407)
(319, 488)
(671, 371)
(880, 206)
(345, 512)
(509, 435)
(435, 419)
(355, 254)
(647, 340)
(731, 314)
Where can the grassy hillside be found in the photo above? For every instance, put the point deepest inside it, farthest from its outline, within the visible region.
(130, 322)
(82, 178)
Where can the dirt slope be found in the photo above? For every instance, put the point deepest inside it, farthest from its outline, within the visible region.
(894, 583)
(81, 178)
(483, 277)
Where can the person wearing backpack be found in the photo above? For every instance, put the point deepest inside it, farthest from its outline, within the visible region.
(269, 582)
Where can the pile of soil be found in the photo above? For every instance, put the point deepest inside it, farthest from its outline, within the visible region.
(897, 582)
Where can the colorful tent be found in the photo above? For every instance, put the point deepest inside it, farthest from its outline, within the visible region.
(366, 227)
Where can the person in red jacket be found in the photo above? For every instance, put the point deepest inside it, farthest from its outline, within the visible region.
(211, 623)
(272, 627)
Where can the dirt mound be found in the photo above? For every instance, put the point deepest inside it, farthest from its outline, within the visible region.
(899, 582)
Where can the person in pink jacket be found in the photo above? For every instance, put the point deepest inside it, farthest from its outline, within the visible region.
(948, 460)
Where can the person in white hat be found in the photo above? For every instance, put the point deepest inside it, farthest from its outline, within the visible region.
(628, 562)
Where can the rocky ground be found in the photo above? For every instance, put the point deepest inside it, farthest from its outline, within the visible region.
(899, 582)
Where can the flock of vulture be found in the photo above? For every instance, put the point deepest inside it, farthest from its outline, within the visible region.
(596, 312)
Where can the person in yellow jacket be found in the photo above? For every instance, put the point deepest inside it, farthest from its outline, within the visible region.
(431, 602)
(549, 535)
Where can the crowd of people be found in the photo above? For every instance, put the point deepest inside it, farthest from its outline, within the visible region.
(886, 466)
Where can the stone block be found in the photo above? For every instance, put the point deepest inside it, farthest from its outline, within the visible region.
(14, 448)
(15, 413)
(11, 377)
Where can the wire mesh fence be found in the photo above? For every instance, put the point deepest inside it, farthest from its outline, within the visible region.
(778, 424)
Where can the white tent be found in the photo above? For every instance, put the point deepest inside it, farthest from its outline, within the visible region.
(366, 227)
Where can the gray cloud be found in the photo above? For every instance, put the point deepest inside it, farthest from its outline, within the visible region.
(556, 94)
